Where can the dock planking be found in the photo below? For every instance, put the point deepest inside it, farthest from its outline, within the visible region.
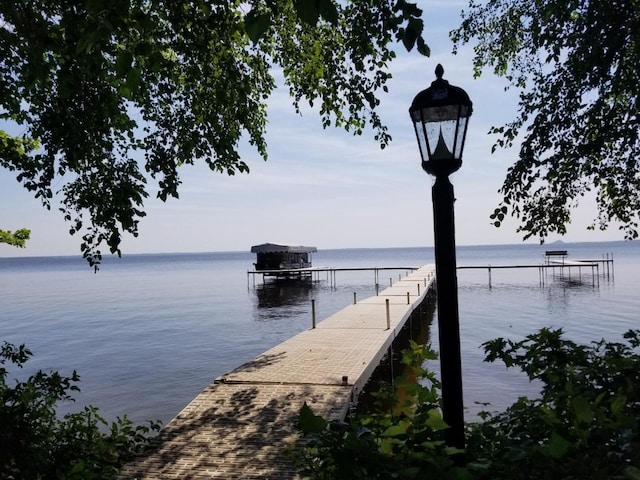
(239, 425)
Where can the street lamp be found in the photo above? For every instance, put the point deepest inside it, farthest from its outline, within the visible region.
(440, 116)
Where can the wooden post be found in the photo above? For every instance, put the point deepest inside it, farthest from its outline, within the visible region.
(354, 298)
(540, 276)
(388, 314)
(408, 298)
(418, 289)
(612, 272)
(313, 313)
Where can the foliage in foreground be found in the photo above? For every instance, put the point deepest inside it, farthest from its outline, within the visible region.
(584, 425)
(402, 440)
(36, 444)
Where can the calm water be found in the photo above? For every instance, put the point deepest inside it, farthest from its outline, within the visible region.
(150, 332)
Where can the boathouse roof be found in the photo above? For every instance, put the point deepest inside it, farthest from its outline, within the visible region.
(275, 248)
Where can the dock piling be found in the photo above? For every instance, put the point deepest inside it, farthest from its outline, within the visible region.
(386, 301)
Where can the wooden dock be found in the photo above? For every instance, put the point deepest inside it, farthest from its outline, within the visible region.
(239, 425)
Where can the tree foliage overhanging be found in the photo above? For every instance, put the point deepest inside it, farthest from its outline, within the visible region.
(15, 239)
(577, 66)
(109, 93)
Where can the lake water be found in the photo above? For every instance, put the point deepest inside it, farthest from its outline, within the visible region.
(150, 332)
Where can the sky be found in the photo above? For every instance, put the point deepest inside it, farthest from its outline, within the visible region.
(325, 187)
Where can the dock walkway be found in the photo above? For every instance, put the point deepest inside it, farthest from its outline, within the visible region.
(239, 425)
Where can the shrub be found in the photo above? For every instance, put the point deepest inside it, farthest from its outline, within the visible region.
(584, 425)
(585, 422)
(36, 444)
(402, 439)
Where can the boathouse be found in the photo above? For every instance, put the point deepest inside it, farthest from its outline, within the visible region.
(271, 256)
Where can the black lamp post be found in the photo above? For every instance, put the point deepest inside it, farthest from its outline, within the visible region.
(440, 116)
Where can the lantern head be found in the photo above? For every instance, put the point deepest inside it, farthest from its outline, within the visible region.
(440, 117)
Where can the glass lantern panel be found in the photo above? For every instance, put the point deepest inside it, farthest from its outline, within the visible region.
(462, 129)
(441, 136)
(422, 141)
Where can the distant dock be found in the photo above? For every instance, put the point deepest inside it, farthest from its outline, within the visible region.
(239, 425)
(555, 261)
(314, 273)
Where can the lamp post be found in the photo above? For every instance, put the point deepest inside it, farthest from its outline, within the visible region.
(440, 117)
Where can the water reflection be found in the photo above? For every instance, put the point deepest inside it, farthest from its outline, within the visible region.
(276, 298)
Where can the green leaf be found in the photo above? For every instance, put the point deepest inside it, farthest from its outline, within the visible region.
(309, 422)
(308, 11)
(409, 472)
(423, 48)
(412, 33)
(133, 79)
(386, 445)
(557, 446)
(328, 11)
(86, 42)
(618, 405)
(632, 473)
(256, 24)
(123, 64)
(582, 409)
(396, 430)
(435, 420)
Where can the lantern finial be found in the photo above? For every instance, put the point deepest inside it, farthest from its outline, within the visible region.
(439, 71)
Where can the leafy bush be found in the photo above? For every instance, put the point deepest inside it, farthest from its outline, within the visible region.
(585, 425)
(36, 444)
(404, 439)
